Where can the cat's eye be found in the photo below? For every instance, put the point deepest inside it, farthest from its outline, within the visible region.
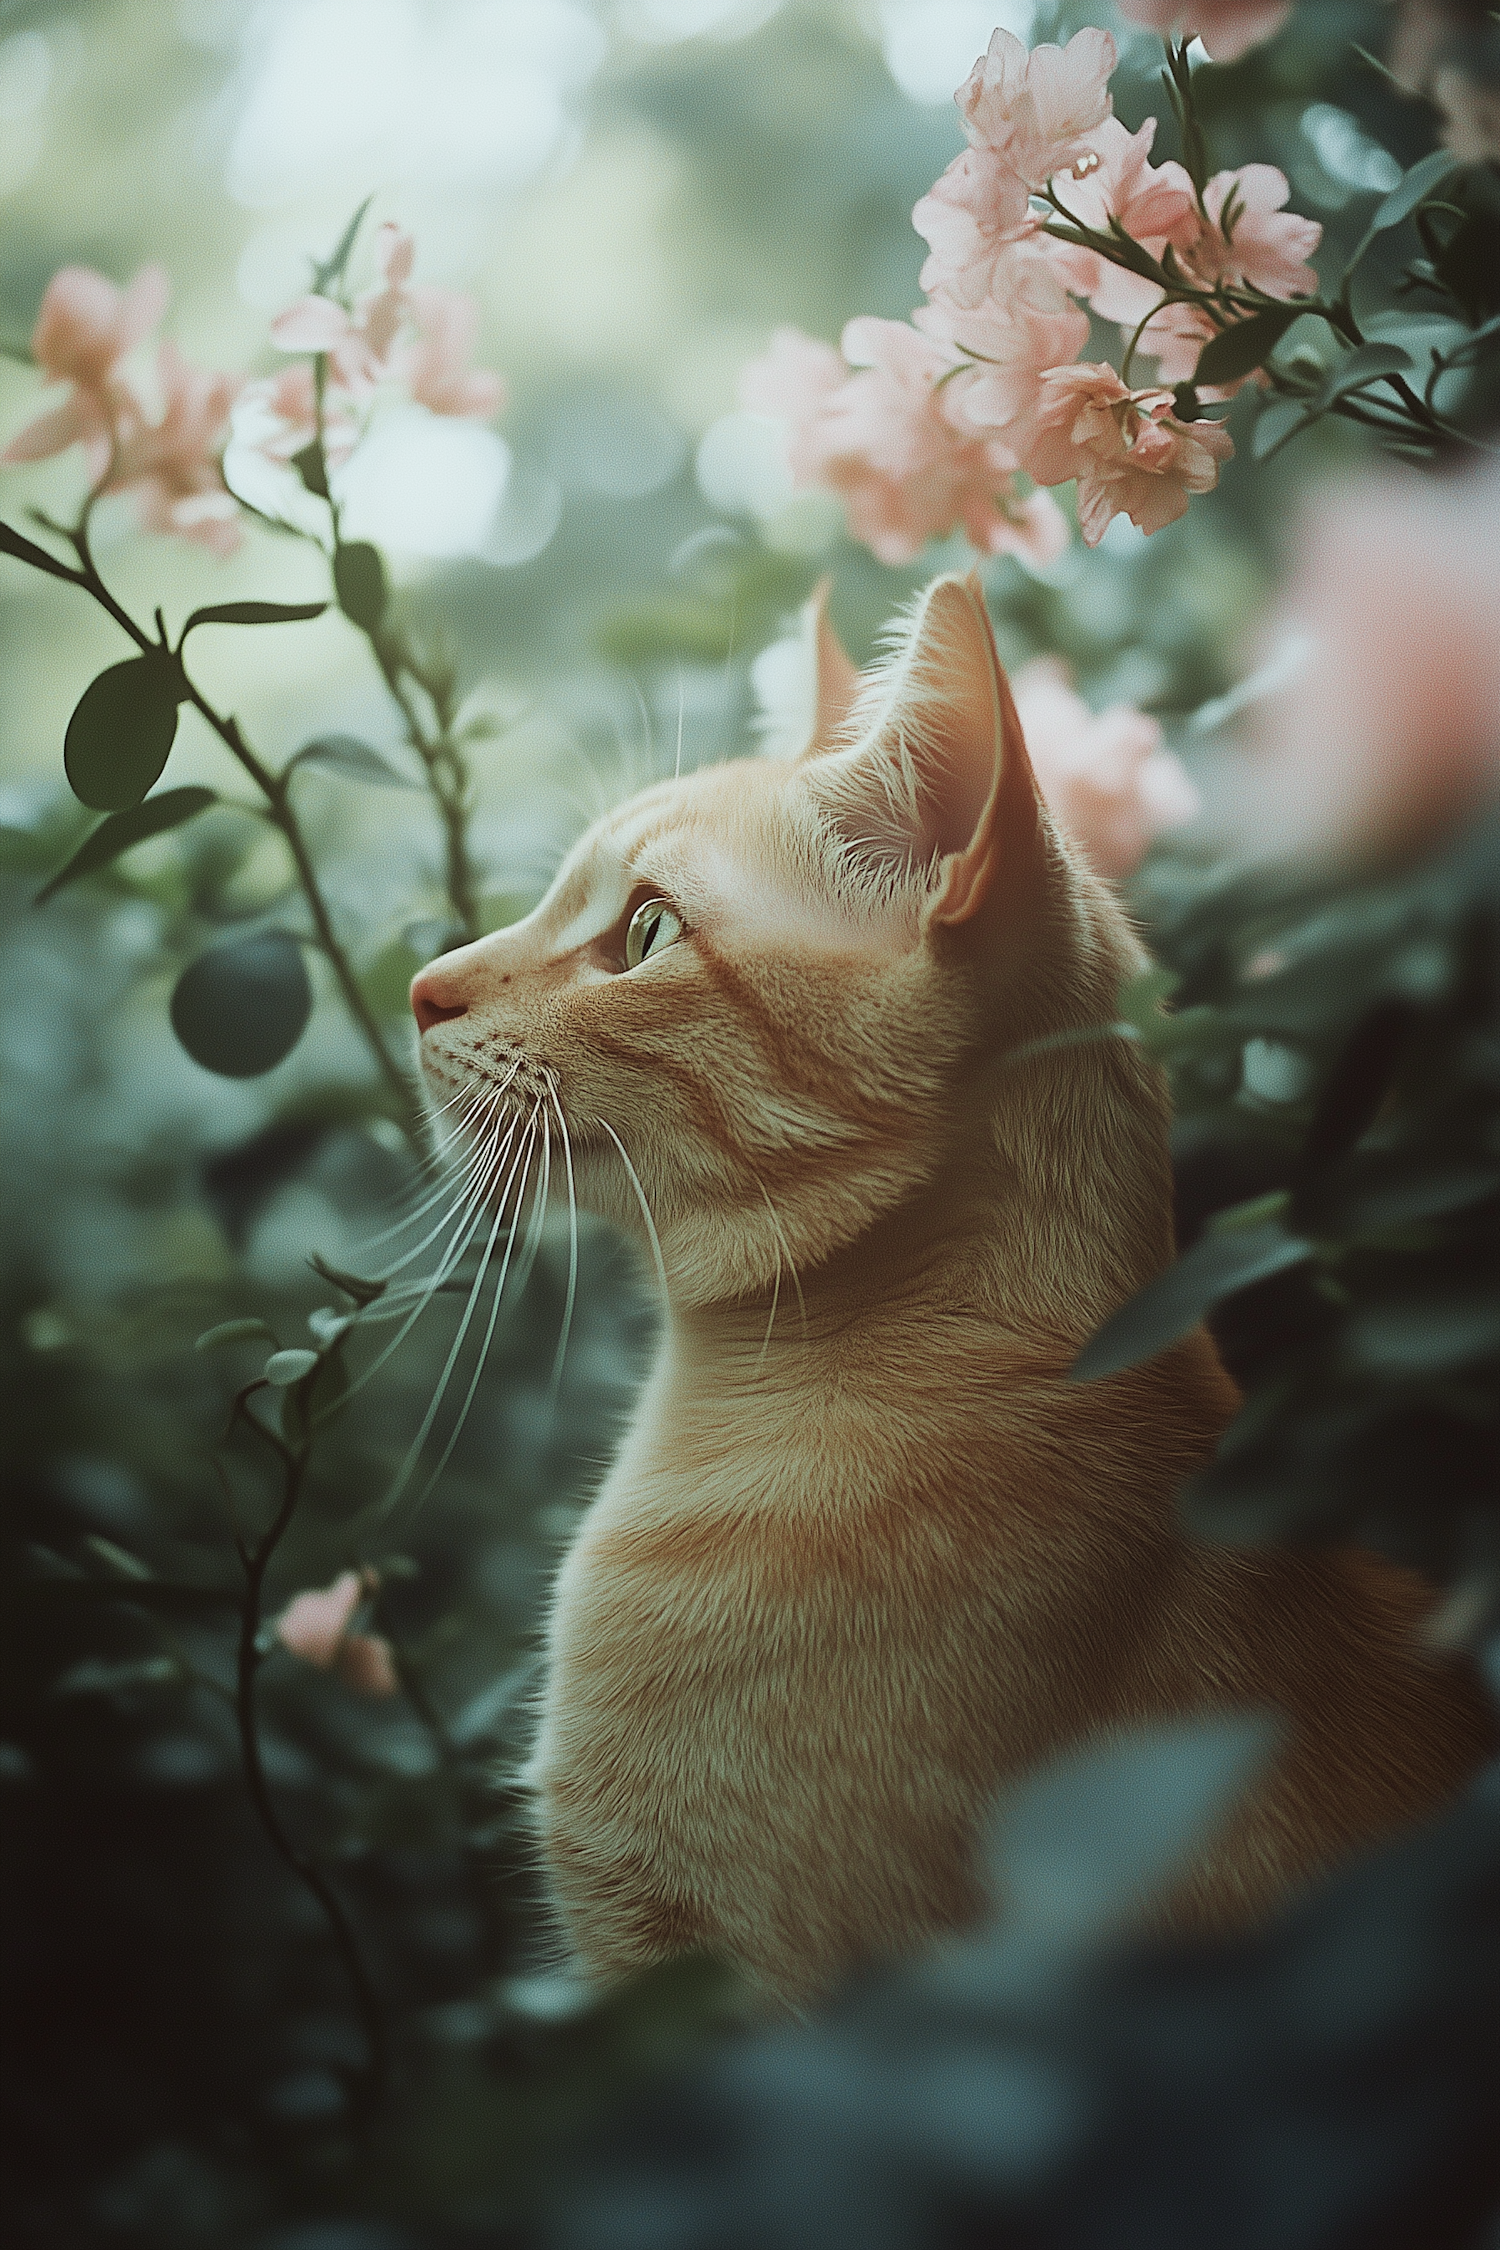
(651, 929)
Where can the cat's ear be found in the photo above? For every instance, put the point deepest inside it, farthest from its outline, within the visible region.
(836, 682)
(940, 792)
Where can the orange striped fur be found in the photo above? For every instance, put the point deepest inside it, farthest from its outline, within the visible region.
(865, 1554)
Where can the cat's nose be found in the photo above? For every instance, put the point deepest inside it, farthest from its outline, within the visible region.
(435, 1000)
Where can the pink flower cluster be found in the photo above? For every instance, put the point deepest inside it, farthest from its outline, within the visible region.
(928, 426)
(418, 336)
(85, 332)
(314, 1626)
(169, 451)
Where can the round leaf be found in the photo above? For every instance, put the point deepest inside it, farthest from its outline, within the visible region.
(120, 736)
(287, 1367)
(122, 829)
(240, 1008)
(359, 582)
(234, 1332)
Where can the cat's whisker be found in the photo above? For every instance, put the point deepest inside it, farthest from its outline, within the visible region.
(765, 1342)
(484, 1350)
(640, 1196)
(414, 1450)
(486, 1108)
(436, 1171)
(453, 1193)
(464, 1233)
(681, 711)
(567, 1318)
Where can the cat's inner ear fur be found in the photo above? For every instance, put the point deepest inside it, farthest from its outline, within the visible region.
(937, 768)
(836, 682)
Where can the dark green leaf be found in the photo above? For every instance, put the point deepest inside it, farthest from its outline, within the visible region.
(1425, 1335)
(332, 267)
(122, 829)
(312, 469)
(27, 551)
(254, 613)
(240, 1008)
(1179, 1298)
(120, 736)
(359, 582)
(1247, 345)
(347, 754)
(353, 1285)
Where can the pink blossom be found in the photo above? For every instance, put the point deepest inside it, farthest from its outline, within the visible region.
(1392, 731)
(367, 1663)
(1261, 243)
(437, 368)
(1109, 783)
(1028, 325)
(1228, 28)
(1126, 448)
(84, 328)
(969, 219)
(289, 423)
(313, 1625)
(1155, 204)
(361, 346)
(1036, 109)
(794, 380)
(173, 464)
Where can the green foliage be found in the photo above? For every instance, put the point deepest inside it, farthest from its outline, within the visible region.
(360, 583)
(240, 1008)
(122, 829)
(121, 733)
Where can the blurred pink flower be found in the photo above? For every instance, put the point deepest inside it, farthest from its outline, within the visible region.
(173, 464)
(1392, 731)
(437, 366)
(1107, 780)
(367, 1663)
(1127, 450)
(361, 345)
(795, 379)
(1028, 325)
(313, 1625)
(84, 328)
(1155, 204)
(1036, 109)
(1228, 28)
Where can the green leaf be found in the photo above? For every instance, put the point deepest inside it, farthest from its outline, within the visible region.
(359, 581)
(121, 734)
(1366, 364)
(1276, 423)
(1425, 1335)
(1403, 199)
(27, 551)
(312, 469)
(122, 829)
(254, 613)
(1247, 345)
(236, 1332)
(283, 1368)
(332, 267)
(353, 1285)
(240, 1008)
(1179, 1298)
(347, 754)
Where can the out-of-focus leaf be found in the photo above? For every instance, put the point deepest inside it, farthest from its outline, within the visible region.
(1366, 364)
(1401, 1195)
(254, 613)
(1425, 1335)
(235, 1332)
(360, 583)
(1357, 1086)
(312, 469)
(1086, 1842)
(1247, 345)
(353, 1285)
(240, 1008)
(116, 834)
(287, 1367)
(347, 754)
(1276, 423)
(121, 733)
(1179, 1298)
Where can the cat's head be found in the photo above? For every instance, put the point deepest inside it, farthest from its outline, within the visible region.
(772, 1000)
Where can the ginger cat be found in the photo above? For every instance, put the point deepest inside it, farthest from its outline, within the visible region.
(865, 1552)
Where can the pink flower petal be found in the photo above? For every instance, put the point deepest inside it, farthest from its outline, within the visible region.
(313, 324)
(313, 1624)
(367, 1664)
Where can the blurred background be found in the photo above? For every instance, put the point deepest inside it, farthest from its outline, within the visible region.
(636, 194)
